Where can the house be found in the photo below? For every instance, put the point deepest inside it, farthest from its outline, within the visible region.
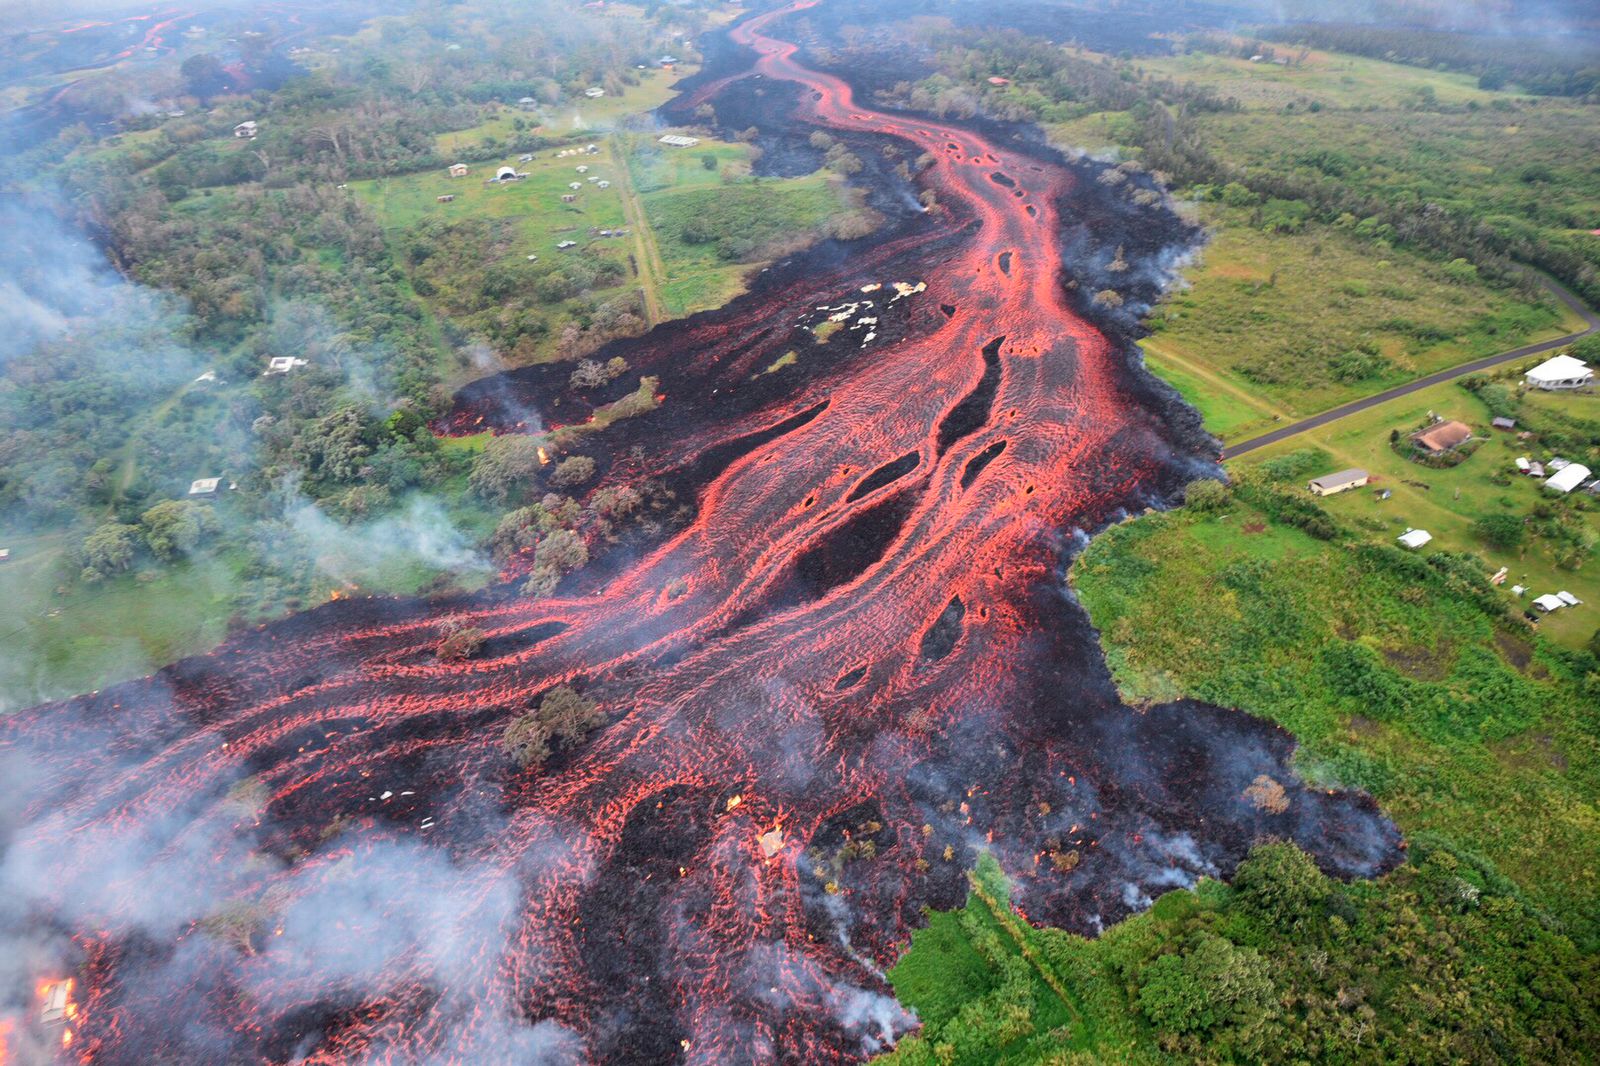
(206, 486)
(506, 174)
(1504, 423)
(1548, 603)
(595, 93)
(603, 184)
(999, 82)
(1414, 538)
(1328, 484)
(678, 140)
(574, 184)
(1443, 437)
(458, 170)
(246, 131)
(1567, 478)
(528, 103)
(593, 149)
(282, 364)
(582, 168)
(1560, 372)
(57, 1007)
(448, 197)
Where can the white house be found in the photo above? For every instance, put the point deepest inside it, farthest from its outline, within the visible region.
(282, 364)
(678, 140)
(246, 130)
(1414, 538)
(1567, 478)
(206, 486)
(594, 93)
(1560, 372)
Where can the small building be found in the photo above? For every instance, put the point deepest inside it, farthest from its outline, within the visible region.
(1414, 538)
(678, 140)
(1504, 423)
(1548, 603)
(568, 198)
(5, 555)
(1523, 464)
(1567, 478)
(1443, 437)
(246, 131)
(1344, 480)
(592, 149)
(602, 184)
(1535, 469)
(668, 61)
(458, 170)
(1560, 372)
(506, 174)
(999, 82)
(574, 185)
(528, 103)
(564, 245)
(594, 93)
(206, 486)
(447, 198)
(282, 364)
(57, 1004)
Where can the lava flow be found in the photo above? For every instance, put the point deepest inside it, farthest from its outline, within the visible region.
(854, 669)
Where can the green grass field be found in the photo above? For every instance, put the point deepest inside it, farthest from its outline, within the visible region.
(1269, 321)
(1330, 79)
(1446, 502)
(1456, 725)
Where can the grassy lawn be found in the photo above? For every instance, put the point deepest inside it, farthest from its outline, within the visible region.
(1391, 676)
(1446, 502)
(1289, 324)
(569, 117)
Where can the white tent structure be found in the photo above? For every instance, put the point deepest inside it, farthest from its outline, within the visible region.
(1560, 372)
(1548, 603)
(1414, 538)
(1567, 478)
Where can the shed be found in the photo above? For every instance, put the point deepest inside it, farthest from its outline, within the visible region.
(1536, 469)
(446, 198)
(678, 140)
(1560, 372)
(1548, 603)
(282, 364)
(458, 170)
(1504, 423)
(527, 103)
(999, 81)
(1328, 484)
(568, 198)
(506, 174)
(594, 93)
(1567, 478)
(574, 184)
(206, 486)
(1414, 538)
(582, 168)
(603, 184)
(1522, 464)
(246, 130)
(1568, 598)
(1444, 437)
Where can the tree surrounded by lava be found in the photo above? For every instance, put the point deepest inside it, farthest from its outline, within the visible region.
(311, 845)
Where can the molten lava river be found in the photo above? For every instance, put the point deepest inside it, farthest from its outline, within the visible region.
(856, 667)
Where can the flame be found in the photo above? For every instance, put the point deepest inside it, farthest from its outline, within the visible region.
(734, 801)
(544, 457)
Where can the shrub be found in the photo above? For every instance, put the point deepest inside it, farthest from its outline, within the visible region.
(1206, 494)
(574, 470)
(460, 645)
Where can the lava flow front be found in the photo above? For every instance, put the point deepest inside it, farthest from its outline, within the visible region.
(855, 668)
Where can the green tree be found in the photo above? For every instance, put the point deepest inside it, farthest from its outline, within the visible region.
(1280, 884)
(176, 527)
(108, 550)
(508, 466)
(1500, 530)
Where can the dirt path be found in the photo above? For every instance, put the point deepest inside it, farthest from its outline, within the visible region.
(1592, 324)
(652, 271)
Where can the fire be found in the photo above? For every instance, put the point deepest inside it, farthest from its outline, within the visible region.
(544, 457)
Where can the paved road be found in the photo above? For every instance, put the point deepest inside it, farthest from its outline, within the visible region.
(1591, 323)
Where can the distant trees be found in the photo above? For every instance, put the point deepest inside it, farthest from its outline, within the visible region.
(108, 550)
(176, 527)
